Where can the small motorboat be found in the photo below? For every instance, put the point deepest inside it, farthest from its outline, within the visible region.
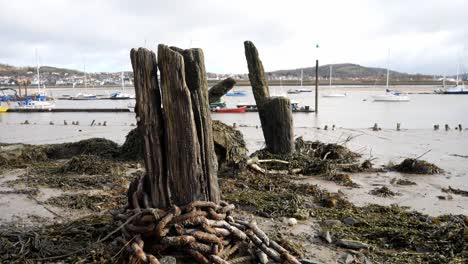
(391, 96)
(119, 96)
(293, 91)
(237, 93)
(304, 90)
(34, 104)
(334, 95)
(84, 96)
(231, 110)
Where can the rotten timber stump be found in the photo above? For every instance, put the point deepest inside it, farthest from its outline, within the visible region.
(175, 121)
(275, 112)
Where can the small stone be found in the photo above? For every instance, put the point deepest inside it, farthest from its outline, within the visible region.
(168, 260)
(351, 244)
(291, 221)
(346, 259)
(325, 235)
(351, 221)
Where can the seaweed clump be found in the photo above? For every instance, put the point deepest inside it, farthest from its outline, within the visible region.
(317, 158)
(402, 236)
(383, 191)
(94, 202)
(101, 147)
(276, 195)
(133, 147)
(77, 241)
(417, 167)
(92, 165)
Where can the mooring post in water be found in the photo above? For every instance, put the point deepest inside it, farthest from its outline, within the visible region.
(316, 85)
(275, 112)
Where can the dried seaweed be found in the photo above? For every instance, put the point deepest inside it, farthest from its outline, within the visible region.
(401, 236)
(94, 202)
(417, 167)
(70, 242)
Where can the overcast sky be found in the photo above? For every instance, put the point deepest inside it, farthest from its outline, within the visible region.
(427, 36)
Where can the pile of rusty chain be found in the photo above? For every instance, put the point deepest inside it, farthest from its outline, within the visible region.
(203, 230)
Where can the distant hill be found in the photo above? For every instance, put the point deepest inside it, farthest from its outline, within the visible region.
(347, 71)
(8, 70)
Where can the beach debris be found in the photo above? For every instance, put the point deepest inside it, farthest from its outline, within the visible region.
(73, 123)
(351, 244)
(51, 123)
(26, 122)
(460, 127)
(447, 197)
(436, 127)
(105, 123)
(65, 122)
(416, 166)
(77, 123)
(383, 191)
(455, 191)
(447, 128)
(398, 126)
(326, 127)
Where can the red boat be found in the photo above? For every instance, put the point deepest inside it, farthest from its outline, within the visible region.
(232, 110)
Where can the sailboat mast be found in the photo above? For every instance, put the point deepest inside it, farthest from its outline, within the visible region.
(123, 83)
(302, 76)
(458, 72)
(85, 82)
(443, 81)
(38, 75)
(331, 70)
(388, 73)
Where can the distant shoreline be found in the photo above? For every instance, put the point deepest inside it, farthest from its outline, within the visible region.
(272, 83)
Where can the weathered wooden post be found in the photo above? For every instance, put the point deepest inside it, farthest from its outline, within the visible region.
(275, 112)
(176, 204)
(180, 159)
(220, 89)
(316, 85)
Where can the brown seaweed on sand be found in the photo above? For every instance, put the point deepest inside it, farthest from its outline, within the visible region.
(417, 167)
(383, 191)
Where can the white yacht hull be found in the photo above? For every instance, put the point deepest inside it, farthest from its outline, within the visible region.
(391, 98)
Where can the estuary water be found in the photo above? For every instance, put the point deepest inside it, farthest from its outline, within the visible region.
(353, 116)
